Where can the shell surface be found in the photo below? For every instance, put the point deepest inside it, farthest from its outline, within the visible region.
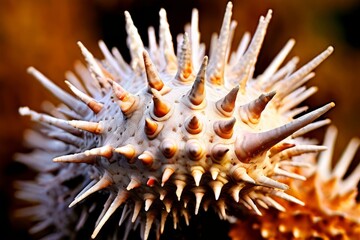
(168, 135)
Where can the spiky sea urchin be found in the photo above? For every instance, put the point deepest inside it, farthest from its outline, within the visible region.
(169, 134)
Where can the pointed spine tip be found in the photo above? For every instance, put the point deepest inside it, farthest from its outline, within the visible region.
(103, 183)
(166, 175)
(251, 112)
(92, 127)
(146, 158)
(152, 128)
(239, 174)
(180, 185)
(31, 70)
(148, 203)
(127, 16)
(225, 128)
(95, 106)
(269, 14)
(89, 156)
(168, 204)
(92, 62)
(214, 171)
(330, 49)
(199, 194)
(269, 182)
(168, 148)
(24, 111)
(217, 187)
(193, 125)
(219, 57)
(185, 68)
(249, 145)
(226, 105)
(161, 108)
(219, 151)
(196, 96)
(166, 46)
(194, 149)
(127, 151)
(197, 173)
(128, 102)
(76, 158)
(234, 192)
(137, 209)
(152, 74)
(134, 183)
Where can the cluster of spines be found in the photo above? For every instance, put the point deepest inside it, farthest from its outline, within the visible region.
(247, 146)
(331, 208)
(193, 149)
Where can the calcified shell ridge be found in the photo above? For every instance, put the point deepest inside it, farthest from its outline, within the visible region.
(169, 135)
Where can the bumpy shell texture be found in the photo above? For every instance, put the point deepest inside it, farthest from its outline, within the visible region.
(169, 135)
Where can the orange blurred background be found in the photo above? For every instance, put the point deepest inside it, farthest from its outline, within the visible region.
(44, 34)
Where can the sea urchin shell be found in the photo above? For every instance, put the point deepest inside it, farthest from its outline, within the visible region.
(170, 134)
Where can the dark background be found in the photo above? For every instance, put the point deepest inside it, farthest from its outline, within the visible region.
(44, 33)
